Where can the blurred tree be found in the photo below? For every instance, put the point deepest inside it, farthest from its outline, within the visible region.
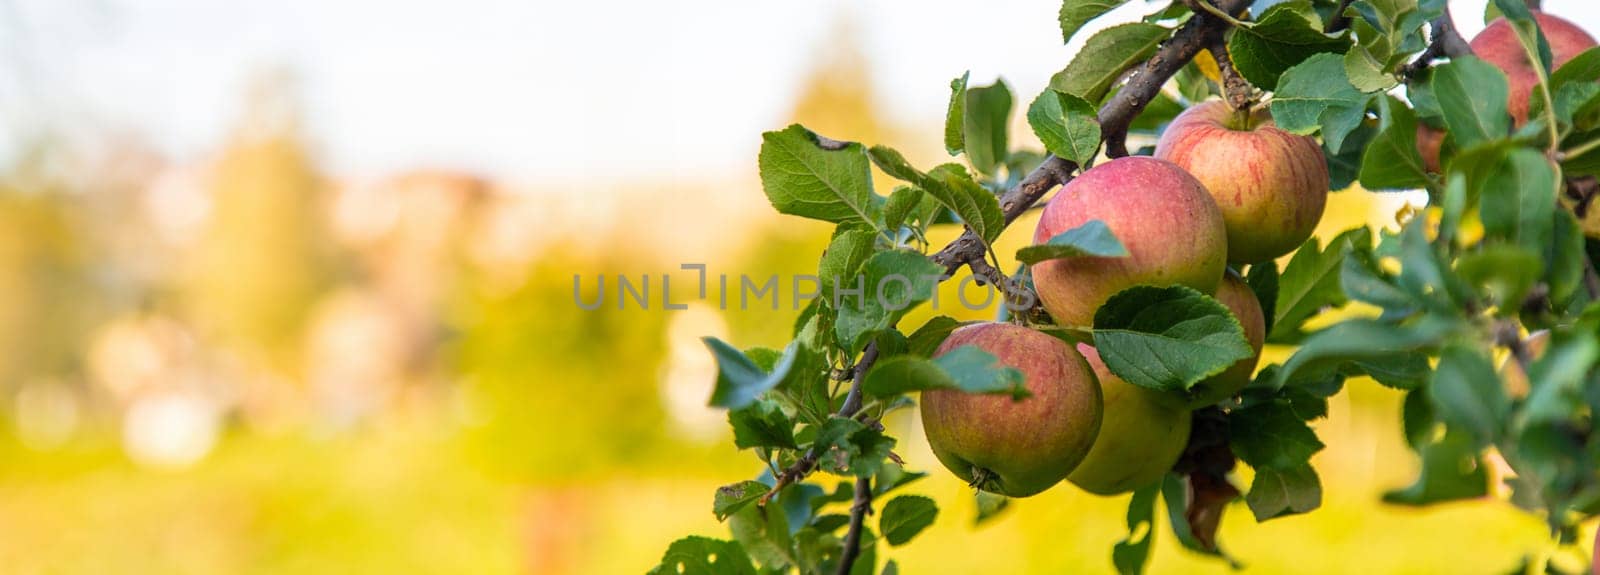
(47, 290)
(265, 254)
(837, 97)
(533, 361)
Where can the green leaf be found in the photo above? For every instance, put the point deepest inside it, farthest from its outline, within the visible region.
(1132, 553)
(1367, 63)
(704, 556)
(1093, 239)
(1581, 69)
(900, 207)
(893, 281)
(1565, 256)
(1105, 57)
(1417, 419)
(1263, 280)
(1272, 435)
(739, 380)
(1404, 371)
(1362, 279)
(952, 187)
(1503, 274)
(1177, 499)
(989, 506)
(1317, 94)
(1574, 104)
(892, 477)
(966, 368)
(1278, 492)
(1520, 16)
(802, 178)
(976, 206)
(1066, 124)
(1388, 33)
(1472, 96)
(1167, 337)
(927, 338)
(1344, 163)
(1362, 339)
(849, 447)
(985, 126)
(1281, 39)
(843, 259)
(1468, 395)
(1558, 378)
(1392, 161)
(1075, 13)
(1517, 199)
(906, 516)
(1424, 272)
(805, 388)
(1310, 283)
(762, 424)
(731, 498)
(955, 117)
(764, 533)
(1451, 470)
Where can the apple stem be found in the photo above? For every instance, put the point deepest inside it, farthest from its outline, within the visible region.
(980, 477)
(1238, 91)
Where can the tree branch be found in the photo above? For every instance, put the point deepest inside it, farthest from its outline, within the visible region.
(1115, 116)
(852, 404)
(858, 515)
(1238, 91)
(1019, 298)
(1445, 42)
(1197, 33)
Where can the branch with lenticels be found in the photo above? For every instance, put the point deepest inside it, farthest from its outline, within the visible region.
(1143, 84)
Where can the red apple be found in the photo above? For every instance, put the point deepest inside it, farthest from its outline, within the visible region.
(1241, 300)
(1142, 433)
(1498, 45)
(1271, 184)
(1015, 448)
(1169, 224)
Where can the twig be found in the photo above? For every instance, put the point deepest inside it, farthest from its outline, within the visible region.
(852, 404)
(1234, 86)
(1206, 6)
(1114, 116)
(1197, 33)
(1021, 299)
(858, 515)
(1446, 42)
(1579, 149)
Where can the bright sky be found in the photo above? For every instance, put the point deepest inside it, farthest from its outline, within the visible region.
(541, 92)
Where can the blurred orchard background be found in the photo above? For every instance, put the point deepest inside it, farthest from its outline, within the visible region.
(287, 286)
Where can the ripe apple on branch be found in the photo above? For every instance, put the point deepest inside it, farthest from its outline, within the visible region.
(1131, 360)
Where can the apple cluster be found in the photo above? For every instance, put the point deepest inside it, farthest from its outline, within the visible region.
(1497, 44)
(1224, 187)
